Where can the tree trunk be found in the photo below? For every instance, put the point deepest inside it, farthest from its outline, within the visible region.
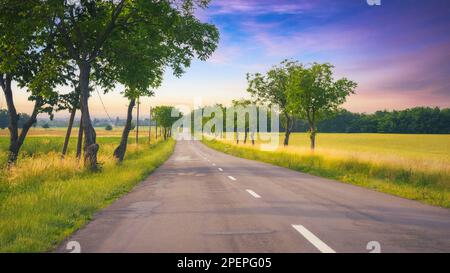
(245, 136)
(69, 131)
(137, 122)
(16, 140)
(90, 145)
(156, 130)
(312, 136)
(80, 139)
(150, 127)
(119, 152)
(288, 129)
(13, 120)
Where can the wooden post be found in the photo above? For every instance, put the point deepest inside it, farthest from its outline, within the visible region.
(137, 122)
(150, 126)
(156, 129)
(80, 140)
(69, 131)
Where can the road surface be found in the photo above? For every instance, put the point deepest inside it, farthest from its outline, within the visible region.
(202, 200)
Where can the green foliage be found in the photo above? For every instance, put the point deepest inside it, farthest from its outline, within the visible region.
(27, 54)
(163, 115)
(108, 127)
(271, 88)
(313, 93)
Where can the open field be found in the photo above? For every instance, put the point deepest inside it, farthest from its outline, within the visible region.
(42, 141)
(116, 131)
(43, 198)
(411, 166)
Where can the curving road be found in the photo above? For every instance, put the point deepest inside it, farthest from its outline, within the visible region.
(202, 200)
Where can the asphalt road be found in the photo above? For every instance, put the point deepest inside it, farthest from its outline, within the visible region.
(202, 200)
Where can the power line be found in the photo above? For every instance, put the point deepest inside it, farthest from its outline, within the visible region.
(104, 108)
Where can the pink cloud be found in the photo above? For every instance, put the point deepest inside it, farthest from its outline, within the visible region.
(258, 7)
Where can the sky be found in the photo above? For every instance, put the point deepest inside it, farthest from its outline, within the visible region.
(398, 53)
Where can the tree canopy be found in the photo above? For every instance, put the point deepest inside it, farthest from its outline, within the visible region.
(272, 88)
(106, 42)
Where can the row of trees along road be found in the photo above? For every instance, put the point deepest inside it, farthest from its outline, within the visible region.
(308, 92)
(45, 44)
(163, 116)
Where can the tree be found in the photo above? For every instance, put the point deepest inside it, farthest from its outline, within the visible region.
(242, 103)
(138, 54)
(313, 93)
(28, 57)
(271, 88)
(163, 115)
(86, 27)
(71, 102)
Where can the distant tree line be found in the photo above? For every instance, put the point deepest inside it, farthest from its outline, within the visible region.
(4, 119)
(418, 120)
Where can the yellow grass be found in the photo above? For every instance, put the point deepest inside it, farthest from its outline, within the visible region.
(411, 166)
(424, 152)
(44, 198)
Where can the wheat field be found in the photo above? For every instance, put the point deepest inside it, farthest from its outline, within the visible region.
(411, 166)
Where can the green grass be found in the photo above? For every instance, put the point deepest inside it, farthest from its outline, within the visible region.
(411, 166)
(44, 199)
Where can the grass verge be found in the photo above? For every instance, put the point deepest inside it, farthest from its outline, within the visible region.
(45, 199)
(431, 187)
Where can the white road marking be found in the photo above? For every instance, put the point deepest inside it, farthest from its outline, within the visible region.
(321, 246)
(220, 169)
(254, 194)
(232, 178)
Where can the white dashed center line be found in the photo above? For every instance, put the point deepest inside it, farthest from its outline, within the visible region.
(321, 246)
(254, 194)
(220, 169)
(232, 178)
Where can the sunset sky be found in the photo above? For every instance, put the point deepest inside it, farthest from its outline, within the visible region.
(399, 52)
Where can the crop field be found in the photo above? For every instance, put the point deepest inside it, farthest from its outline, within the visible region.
(412, 166)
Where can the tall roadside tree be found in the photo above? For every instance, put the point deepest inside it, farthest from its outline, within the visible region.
(139, 55)
(70, 102)
(28, 58)
(242, 103)
(86, 26)
(314, 94)
(163, 115)
(271, 88)
(138, 71)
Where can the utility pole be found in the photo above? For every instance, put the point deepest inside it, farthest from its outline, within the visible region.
(137, 122)
(156, 128)
(150, 126)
